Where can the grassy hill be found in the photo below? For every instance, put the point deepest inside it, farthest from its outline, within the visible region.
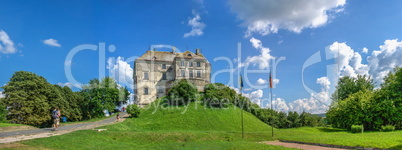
(194, 117)
(192, 127)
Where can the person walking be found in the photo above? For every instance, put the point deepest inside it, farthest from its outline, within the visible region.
(56, 118)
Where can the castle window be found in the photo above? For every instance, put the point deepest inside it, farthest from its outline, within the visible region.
(190, 64)
(146, 91)
(183, 73)
(146, 77)
(191, 74)
(198, 64)
(164, 76)
(160, 90)
(199, 73)
(163, 66)
(181, 63)
(189, 55)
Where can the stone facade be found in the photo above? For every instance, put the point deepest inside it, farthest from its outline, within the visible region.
(156, 71)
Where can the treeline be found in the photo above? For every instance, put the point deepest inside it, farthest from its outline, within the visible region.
(218, 95)
(29, 99)
(356, 102)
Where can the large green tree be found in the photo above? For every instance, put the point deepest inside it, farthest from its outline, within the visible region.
(26, 96)
(182, 92)
(349, 85)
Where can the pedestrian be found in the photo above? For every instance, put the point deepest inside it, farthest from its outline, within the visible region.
(56, 118)
(117, 117)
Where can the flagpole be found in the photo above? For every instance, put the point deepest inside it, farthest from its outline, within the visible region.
(242, 119)
(242, 105)
(270, 85)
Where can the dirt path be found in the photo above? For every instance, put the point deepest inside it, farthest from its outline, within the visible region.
(14, 136)
(300, 146)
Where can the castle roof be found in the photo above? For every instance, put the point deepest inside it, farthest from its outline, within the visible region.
(169, 56)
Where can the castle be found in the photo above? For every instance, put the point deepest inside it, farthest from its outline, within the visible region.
(156, 71)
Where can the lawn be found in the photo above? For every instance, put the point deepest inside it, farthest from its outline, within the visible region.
(10, 125)
(196, 127)
(369, 139)
(90, 120)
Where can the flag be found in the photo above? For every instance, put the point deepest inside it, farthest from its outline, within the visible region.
(270, 80)
(241, 82)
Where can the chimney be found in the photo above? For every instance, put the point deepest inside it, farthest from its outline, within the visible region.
(197, 51)
(173, 50)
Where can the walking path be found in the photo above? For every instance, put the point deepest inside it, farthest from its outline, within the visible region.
(14, 136)
(300, 146)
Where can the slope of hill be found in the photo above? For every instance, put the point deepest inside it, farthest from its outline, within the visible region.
(194, 117)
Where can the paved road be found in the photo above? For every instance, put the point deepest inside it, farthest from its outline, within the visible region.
(61, 128)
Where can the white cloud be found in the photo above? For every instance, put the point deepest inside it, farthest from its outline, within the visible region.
(70, 85)
(279, 104)
(121, 71)
(324, 82)
(383, 61)
(365, 50)
(196, 26)
(275, 81)
(349, 62)
(51, 42)
(261, 60)
(268, 16)
(6, 44)
(1, 94)
(261, 81)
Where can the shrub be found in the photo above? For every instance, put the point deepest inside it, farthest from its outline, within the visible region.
(357, 128)
(182, 93)
(133, 110)
(387, 128)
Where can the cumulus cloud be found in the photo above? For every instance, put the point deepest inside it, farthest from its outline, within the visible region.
(324, 82)
(261, 60)
(6, 44)
(365, 50)
(261, 81)
(349, 62)
(378, 65)
(268, 16)
(196, 25)
(51, 42)
(69, 84)
(384, 60)
(121, 71)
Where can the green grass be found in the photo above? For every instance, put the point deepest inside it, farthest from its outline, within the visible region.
(90, 120)
(369, 139)
(197, 127)
(11, 125)
(169, 128)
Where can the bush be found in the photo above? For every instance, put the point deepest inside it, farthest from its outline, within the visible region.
(133, 110)
(357, 128)
(387, 128)
(182, 93)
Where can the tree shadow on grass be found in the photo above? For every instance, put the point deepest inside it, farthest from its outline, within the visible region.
(397, 147)
(331, 129)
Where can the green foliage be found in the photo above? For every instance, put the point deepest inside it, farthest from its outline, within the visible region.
(27, 97)
(182, 93)
(133, 110)
(387, 128)
(349, 85)
(357, 128)
(101, 95)
(3, 113)
(218, 95)
(371, 109)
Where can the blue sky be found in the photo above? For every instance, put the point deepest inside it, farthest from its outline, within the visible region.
(362, 36)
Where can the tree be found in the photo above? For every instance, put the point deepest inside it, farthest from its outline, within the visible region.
(102, 95)
(182, 93)
(349, 85)
(133, 110)
(26, 99)
(3, 113)
(218, 95)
